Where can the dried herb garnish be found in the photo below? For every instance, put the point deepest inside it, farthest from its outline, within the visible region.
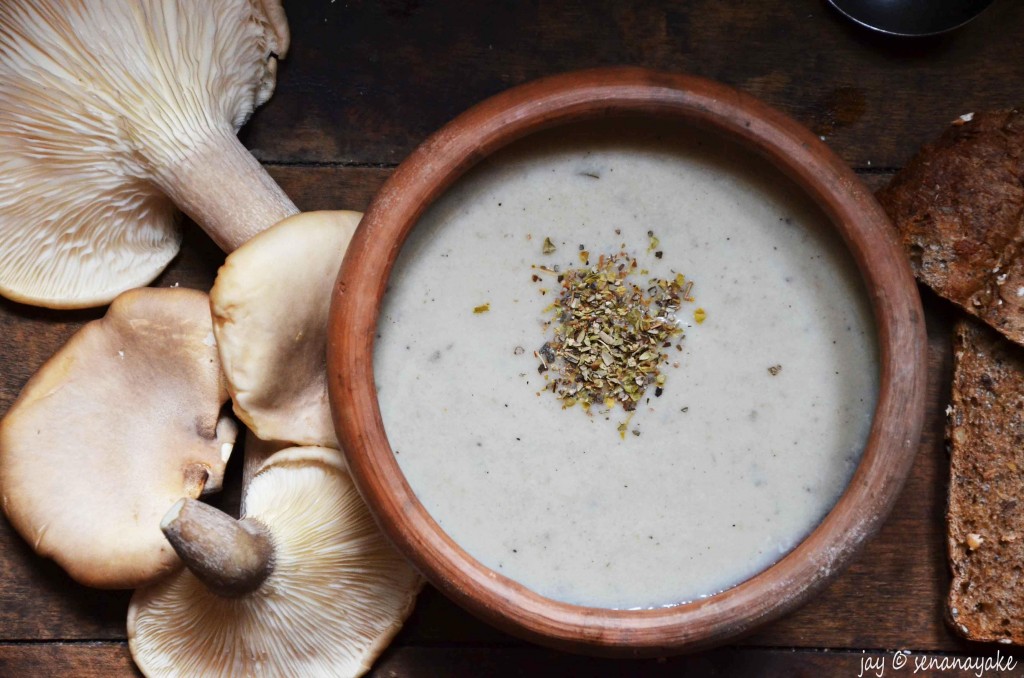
(610, 334)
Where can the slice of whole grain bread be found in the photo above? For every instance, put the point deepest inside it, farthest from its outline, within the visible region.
(959, 207)
(985, 537)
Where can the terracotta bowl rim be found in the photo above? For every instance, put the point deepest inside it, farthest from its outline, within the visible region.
(793, 150)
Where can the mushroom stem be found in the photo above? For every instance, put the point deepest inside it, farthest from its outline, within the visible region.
(231, 557)
(225, 190)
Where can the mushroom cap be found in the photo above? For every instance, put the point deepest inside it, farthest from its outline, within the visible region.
(123, 421)
(270, 304)
(273, 11)
(336, 596)
(99, 102)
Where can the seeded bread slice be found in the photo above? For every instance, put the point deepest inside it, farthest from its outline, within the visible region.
(959, 208)
(986, 491)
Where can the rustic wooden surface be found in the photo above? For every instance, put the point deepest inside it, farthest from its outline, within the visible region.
(366, 81)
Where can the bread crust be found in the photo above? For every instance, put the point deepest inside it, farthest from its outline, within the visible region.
(985, 519)
(959, 208)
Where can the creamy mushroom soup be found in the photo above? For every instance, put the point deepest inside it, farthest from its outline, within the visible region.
(728, 460)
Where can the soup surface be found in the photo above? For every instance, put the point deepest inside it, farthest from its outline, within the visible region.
(766, 403)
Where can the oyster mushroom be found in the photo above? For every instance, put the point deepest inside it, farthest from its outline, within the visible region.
(303, 585)
(270, 305)
(124, 420)
(110, 112)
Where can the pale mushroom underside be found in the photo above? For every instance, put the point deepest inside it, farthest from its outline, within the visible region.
(337, 594)
(99, 103)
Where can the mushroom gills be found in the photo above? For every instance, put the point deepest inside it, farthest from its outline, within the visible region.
(334, 594)
(106, 109)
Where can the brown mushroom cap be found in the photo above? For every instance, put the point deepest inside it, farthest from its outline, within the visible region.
(336, 593)
(270, 304)
(106, 109)
(124, 420)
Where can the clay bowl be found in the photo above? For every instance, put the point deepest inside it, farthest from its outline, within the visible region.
(797, 153)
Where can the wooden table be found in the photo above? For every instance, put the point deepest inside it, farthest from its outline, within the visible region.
(367, 81)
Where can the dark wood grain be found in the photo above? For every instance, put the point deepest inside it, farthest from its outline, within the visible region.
(112, 660)
(82, 660)
(366, 82)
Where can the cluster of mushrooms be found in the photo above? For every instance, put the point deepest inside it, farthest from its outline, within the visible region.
(112, 115)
